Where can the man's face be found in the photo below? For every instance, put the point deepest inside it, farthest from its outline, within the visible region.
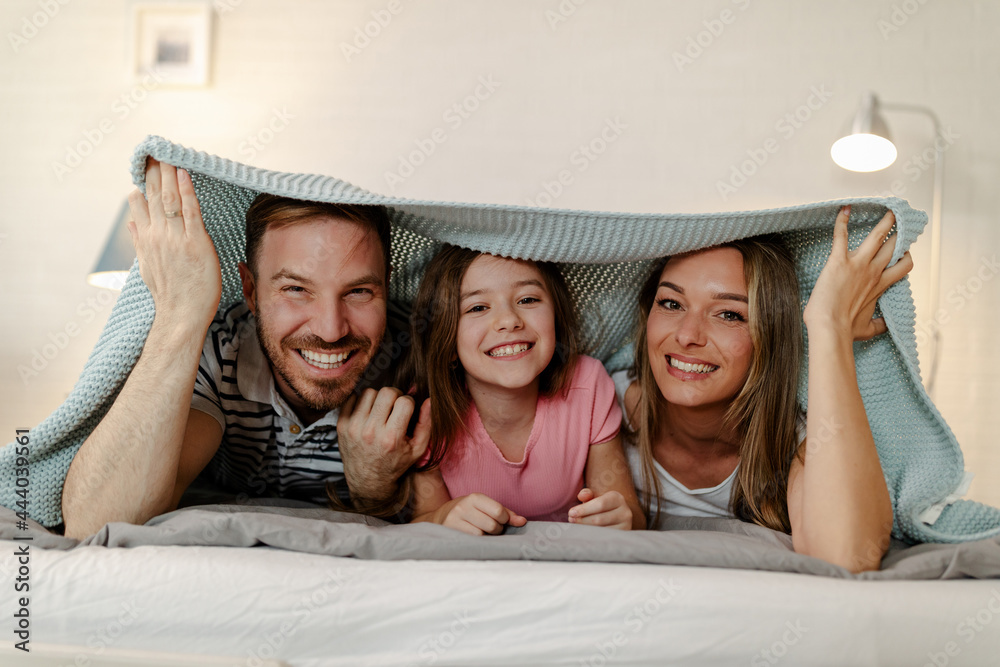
(319, 298)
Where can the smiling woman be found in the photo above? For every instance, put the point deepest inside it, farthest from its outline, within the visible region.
(711, 399)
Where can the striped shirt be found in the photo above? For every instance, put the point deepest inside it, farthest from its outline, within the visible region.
(266, 450)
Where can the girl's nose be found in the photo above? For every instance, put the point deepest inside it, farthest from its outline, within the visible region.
(508, 320)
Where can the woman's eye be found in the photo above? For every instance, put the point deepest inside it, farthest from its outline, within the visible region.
(668, 304)
(733, 316)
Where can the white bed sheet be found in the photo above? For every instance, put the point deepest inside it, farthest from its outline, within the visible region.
(312, 610)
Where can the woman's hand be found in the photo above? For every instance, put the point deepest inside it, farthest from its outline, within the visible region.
(608, 509)
(843, 300)
(477, 514)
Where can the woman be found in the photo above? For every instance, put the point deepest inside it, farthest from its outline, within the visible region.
(711, 401)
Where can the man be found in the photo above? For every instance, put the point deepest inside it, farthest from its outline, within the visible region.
(266, 396)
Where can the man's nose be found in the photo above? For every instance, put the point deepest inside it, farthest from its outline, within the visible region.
(330, 322)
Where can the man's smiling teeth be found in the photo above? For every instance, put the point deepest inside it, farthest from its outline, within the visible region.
(324, 361)
(691, 368)
(508, 350)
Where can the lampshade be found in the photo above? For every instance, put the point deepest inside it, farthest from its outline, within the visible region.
(868, 146)
(116, 260)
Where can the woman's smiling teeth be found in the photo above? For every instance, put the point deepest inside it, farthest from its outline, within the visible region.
(324, 361)
(691, 368)
(509, 350)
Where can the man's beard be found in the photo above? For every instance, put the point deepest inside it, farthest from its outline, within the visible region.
(323, 395)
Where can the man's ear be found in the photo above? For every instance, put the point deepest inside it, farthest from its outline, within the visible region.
(249, 287)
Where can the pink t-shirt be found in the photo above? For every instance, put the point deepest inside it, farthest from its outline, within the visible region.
(544, 485)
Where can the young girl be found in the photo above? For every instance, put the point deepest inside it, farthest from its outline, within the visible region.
(523, 426)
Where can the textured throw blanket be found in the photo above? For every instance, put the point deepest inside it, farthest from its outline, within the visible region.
(604, 256)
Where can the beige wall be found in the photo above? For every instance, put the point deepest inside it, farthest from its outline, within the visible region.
(557, 81)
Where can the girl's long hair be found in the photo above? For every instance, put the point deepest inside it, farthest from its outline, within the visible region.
(764, 413)
(432, 366)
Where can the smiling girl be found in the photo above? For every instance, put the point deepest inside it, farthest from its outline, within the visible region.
(523, 426)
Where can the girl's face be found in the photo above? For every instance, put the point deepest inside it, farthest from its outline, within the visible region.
(697, 332)
(506, 326)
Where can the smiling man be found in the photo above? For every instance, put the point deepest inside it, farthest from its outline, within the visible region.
(261, 396)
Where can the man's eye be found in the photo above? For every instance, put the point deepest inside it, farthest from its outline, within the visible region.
(293, 288)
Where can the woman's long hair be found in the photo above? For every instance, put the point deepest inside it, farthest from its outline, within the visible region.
(764, 413)
(432, 366)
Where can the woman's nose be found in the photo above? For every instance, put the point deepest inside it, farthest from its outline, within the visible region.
(691, 330)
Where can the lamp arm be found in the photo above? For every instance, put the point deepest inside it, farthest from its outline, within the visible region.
(935, 250)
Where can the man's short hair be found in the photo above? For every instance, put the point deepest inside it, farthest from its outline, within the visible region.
(273, 212)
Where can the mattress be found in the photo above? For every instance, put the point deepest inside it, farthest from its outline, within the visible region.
(258, 604)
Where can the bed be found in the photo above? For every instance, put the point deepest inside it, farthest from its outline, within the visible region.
(310, 587)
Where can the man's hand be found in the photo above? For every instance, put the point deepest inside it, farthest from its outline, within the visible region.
(376, 451)
(609, 510)
(477, 514)
(177, 259)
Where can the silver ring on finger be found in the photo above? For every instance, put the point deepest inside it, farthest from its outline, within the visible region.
(172, 214)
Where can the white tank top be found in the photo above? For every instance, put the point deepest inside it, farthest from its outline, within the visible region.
(676, 499)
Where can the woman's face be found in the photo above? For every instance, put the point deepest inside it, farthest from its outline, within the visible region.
(697, 332)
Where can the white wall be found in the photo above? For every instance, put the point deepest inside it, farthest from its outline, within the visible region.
(684, 128)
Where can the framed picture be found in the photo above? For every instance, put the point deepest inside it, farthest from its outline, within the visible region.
(172, 41)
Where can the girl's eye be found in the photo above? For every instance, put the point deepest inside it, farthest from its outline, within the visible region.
(733, 316)
(529, 299)
(668, 304)
(479, 308)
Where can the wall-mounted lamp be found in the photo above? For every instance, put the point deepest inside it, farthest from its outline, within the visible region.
(868, 147)
(113, 266)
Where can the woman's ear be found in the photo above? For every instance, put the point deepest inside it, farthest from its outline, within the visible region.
(249, 287)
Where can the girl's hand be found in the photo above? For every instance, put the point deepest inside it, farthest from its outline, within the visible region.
(477, 514)
(843, 300)
(609, 510)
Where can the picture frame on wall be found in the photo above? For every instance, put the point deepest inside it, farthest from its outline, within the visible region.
(173, 41)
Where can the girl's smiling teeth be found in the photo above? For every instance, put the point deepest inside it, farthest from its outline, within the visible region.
(325, 361)
(690, 368)
(510, 350)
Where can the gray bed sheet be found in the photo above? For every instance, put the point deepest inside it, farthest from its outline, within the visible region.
(723, 543)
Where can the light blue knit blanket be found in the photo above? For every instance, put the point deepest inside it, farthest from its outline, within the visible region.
(604, 256)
